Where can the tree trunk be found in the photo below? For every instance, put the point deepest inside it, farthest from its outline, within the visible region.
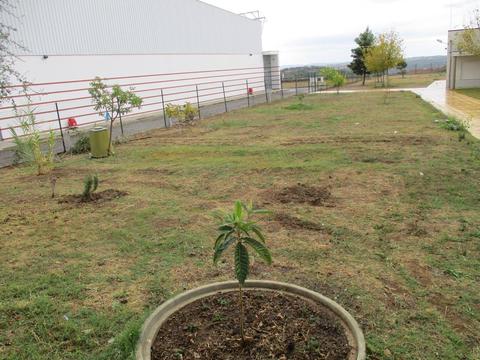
(364, 76)
(242, 314)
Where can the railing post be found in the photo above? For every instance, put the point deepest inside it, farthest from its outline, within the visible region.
(61, 128)
(224, 97)
(198, 103)
(163, 108)
(266, 92)
(296, 85)
(281, 84)
(248, 93)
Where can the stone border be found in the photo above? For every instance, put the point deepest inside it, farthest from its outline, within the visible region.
(158, 317)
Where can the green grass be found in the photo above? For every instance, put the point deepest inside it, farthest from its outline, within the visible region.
(397, 81)
(400, 249)
(474, 93)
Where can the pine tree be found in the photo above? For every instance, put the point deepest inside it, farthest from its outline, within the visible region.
(364, 41)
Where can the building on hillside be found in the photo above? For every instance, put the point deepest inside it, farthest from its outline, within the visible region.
(173, 46)
(463, 70)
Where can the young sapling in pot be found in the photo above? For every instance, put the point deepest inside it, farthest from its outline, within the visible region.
(240, 231)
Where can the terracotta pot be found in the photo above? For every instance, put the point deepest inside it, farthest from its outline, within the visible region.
(154, 322)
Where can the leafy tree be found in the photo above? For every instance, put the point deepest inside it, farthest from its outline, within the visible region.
(334, 77)
(239, 230)
(402, 67)
(469, 40)
(385, 54)
(365, 40)
(8, 74)
(116, 102)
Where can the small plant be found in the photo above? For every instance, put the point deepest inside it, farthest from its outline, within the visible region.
(239, 230)
(90, 184)
(300, 105)
(29, 144)
(185, 114)
(453, 124)
(82, 145)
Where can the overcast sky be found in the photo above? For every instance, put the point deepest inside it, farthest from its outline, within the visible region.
(322, 31)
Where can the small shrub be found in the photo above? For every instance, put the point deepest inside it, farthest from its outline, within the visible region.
(453, 124)
(82, 145)
(185, 114)
(29, 144)
(237, 229)
(90, 184)
(300, 105)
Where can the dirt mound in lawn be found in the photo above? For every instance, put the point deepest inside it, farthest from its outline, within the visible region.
(302, 193)
(294, 223)
(97, 197)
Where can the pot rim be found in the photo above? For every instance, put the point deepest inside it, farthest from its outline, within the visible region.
(153, 323)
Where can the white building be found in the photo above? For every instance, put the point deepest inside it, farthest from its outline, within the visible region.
(174, 46)
(463, 70)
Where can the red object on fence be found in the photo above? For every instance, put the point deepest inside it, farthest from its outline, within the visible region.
(250, 91)
(72, 123)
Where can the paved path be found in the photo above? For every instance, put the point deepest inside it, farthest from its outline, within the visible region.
(454, 104)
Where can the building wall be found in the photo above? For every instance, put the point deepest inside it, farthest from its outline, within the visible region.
(463, 70)
(87, 27)
(170, 41)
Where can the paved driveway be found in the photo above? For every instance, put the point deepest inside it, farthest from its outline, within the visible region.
(453, 103)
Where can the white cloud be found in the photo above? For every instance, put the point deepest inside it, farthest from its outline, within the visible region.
(312, 31)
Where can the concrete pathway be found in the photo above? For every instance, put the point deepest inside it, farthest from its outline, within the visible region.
(454, 104)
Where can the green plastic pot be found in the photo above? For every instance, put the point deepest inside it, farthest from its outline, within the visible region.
(99, 139)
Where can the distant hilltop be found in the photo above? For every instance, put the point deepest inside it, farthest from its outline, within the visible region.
(419, 63)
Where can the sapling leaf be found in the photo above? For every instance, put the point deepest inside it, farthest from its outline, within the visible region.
(241, 263)
(259, 248)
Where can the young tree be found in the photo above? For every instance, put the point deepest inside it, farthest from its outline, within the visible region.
(364, 41)
(386, 53)
(402, 67)
(116, 102)
(239, 230)
(334, 77)
(469, 39)
(8, 73)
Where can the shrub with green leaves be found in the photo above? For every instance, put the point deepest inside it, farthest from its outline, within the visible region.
(29, 144)
(334, 77)
(90, 185)
(185, 114)
(239, 231)
(82, 145)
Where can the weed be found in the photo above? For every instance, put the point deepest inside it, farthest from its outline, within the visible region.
(29, 143)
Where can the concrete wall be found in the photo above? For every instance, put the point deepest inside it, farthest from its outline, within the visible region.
(463, 70)
(232, 70)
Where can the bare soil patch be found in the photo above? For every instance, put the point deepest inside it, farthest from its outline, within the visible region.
(294, 223)
(278, 326)
(301, 193)
(97, 197)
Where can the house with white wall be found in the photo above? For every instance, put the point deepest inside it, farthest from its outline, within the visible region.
(463, 70)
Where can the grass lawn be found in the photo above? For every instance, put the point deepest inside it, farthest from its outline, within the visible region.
(397, 81)
(474, 93)
(397, 243)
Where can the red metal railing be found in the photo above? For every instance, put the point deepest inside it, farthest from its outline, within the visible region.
(197, 87)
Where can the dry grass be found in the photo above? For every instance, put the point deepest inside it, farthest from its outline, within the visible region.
(396, 243)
